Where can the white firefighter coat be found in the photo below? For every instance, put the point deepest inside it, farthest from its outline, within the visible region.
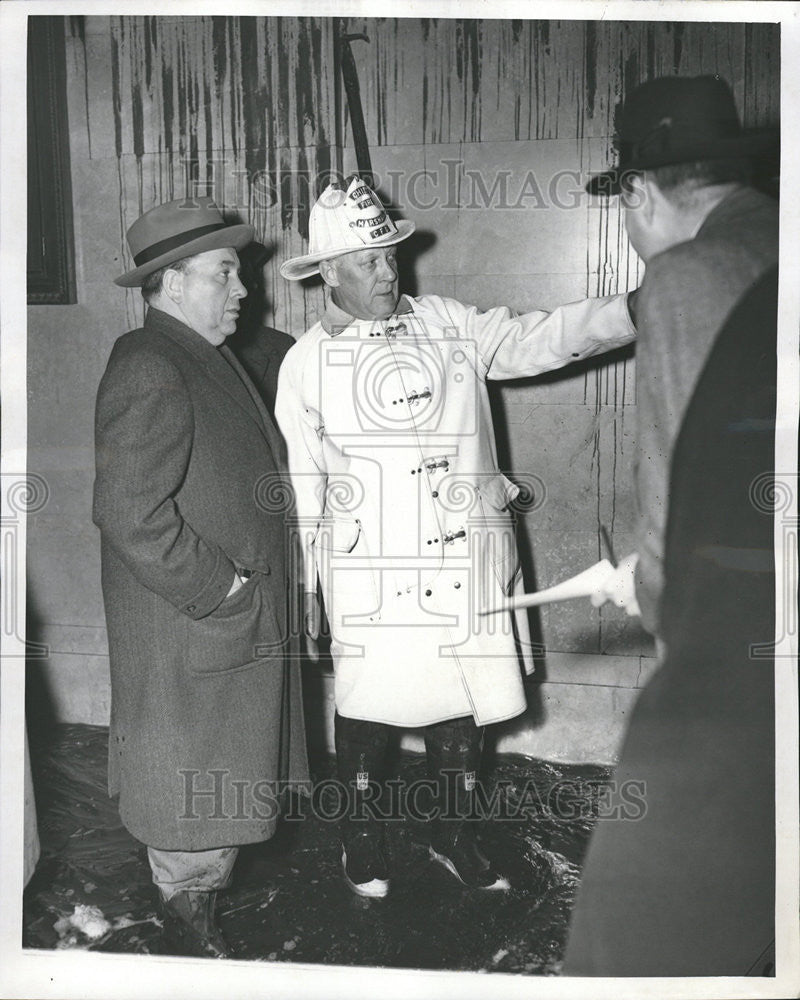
(402, 511)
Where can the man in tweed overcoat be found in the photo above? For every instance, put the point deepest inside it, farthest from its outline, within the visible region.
(206, 709)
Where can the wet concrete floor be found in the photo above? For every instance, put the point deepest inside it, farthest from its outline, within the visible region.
(288, 901)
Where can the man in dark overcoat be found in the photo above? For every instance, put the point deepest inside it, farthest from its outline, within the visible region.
(206, 713)
(687, 889)
(706, 235)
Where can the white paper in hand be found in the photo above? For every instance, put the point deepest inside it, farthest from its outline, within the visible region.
(582, 585)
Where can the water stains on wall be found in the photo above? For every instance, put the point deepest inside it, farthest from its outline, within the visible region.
(439, 81)
(241, 108)
(246, 107)
(249, 110)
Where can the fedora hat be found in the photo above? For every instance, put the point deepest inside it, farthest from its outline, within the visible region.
(175, 230)
(678, 119)
(343, 220)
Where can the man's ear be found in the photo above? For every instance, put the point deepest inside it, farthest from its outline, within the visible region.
(652, 197)
(172, 284)
(637, 193)
(328, 273)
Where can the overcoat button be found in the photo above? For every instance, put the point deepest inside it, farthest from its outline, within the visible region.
(428, 593)
(192, 607)
(457, 585)
(435, 493)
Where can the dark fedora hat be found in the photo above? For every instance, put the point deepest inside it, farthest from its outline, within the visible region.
(678, 119)
(179, 229)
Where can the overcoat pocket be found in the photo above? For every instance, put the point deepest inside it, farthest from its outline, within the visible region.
(241, 633)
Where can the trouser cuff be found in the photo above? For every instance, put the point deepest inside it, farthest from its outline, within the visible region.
(191, 871)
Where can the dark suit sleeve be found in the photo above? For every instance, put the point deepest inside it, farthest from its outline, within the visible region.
(679, 316)
(143, 442)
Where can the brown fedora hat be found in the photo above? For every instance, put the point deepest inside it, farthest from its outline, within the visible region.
(678, 119)
(175, 230)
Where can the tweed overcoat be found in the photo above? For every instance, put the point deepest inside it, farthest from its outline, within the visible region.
(681, 881)
(403, 510)
(206, 706)
(687, 294)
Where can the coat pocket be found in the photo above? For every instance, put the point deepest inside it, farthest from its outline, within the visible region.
(239, 634)
(337, 534)
(497, 490)
(345, 572)
(500, 548)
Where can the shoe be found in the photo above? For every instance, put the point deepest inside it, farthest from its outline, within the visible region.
(189, 926)
(364, 866)
(463, 858)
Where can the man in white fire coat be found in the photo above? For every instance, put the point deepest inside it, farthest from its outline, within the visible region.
(404, 514)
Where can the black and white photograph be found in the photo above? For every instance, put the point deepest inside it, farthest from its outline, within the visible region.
(399, 499)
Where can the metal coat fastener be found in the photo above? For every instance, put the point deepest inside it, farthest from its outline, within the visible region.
(451, 536)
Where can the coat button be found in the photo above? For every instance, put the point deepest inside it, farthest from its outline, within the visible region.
(457, 585)
(428, 593)
(435, 493)
(192, 607)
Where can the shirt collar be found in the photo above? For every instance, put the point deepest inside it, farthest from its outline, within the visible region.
(335, 320)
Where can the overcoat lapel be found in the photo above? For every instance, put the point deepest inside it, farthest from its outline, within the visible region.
(270, 430)
(226, 371)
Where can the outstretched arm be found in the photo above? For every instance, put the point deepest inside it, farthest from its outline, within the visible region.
(511, 346)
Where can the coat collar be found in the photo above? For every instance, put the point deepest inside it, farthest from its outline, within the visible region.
(741, 200)
(189, 339)
(222, 366)
(335, 320)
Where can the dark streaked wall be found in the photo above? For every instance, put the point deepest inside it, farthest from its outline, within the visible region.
(480, 131)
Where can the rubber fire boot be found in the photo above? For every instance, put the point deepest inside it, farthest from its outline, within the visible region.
(189, 926)
(360, 752)
(454, 750)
